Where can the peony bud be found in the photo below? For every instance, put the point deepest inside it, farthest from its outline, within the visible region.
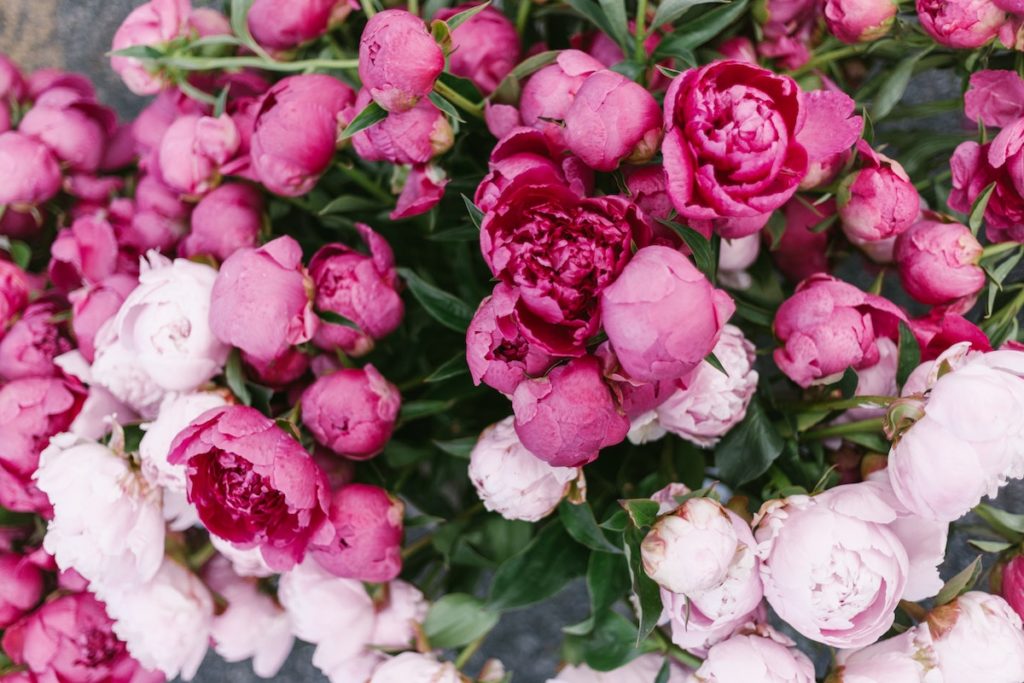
(413, 667)
(978, 637)
(21, 587)
(484, 49)
(30, 346)
(549, 93)
(414, 136)
(352, 411)
(194, 148)
(29, 173)
(367, 541)
(963, 24)
(748, 658)
(76, 132)
(860, 21)
(938, 262)
(227, 219)
(284, 24)
(398, 59)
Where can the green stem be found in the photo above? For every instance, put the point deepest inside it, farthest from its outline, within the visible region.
(826, 58)
(455, 98)
(844, 403)
(369, 8)
(195, 93)
(414, 7)
(640, 54)
(1008, 311)
(469, 651)
(523, 15)
(212, 63)
(996, 249)
(362, 180)
(927, 182)
(870, 426)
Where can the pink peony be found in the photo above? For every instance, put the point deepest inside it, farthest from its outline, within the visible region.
(352, 411)
(153, 23)
(284, 24)
(414, 136)
(860, 21)
(21, 587)
(194, 148)
(484, 49)
(964, 24)
(938, 262)
(975, 167)
(227, 219)
(398, 59)
(85, 253)
(30, 346)
(549, 93)
(994, 97)
(29, 171)
(367, 535)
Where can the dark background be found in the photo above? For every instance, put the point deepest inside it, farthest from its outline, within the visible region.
(75, 35)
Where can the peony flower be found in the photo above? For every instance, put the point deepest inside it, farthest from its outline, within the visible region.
(746, 658)
(194, 148)
(828, 134)
(244, 562)
(398, 59)
(568, 416)
(413, 667)
(713, 402)
(612, 119)
(801, 252)
(532, 230)
(414, 136)
(643, 669)
(716, 170)
(30, 346)
(828, 326)
(153, 23)
(253, 626)
(401, 609)
(267, 284)
(1013, 584)
(352, 411)
(648, 188)
(284, 24)
(852, 570)
(317, 105)
(15, 288)
(165, 622)
(85, 253)
(29, 172)
(856, 21)
(548, 94)
(735, 257)
(107, 523)
(906, 658)
(227, 219)
(662, 316)
(963, 24)
(360, 288)
(76, 130)
(21, 587)
(938, 262)
(71, 639)
(994, 97)
(975, 167)
(423, 189)
(484, 49)
(978, 637)
(788, 27)
(512, 481)
(252, 484)
(367, 540)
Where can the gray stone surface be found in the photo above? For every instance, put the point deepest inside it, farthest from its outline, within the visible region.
(75, 34)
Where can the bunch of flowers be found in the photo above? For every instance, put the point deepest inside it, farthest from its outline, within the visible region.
(377, 323)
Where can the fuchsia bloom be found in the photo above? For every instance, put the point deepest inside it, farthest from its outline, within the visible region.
(975, 167)
(85, 253)
(76, 130)
(828, 326)
(648, 188)
(566, 417)
(484, 49)
(414, 136)
(860, 21)
(941, 329)
(561, 251)
(789, 27)
(802, 252)
(14, 292)
(662, 316)
(829, 133)
(549, 93)
(423, 189)
(717, 168)
(94, 305)
(398, 59)
(21, 587)
(938, 262)
(29, 347)
(994, 97)
(253, 484)
(964, 24)
(296, 130)
(284, 24)
(154, 23)
(227, 219)
(612, 119)
(72, 639)
(352, 411)
(367, 541)
(1013, 584)
(267, 284)
(29, 172)
(360, 288)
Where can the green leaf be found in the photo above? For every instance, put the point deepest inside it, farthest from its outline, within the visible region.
(648, 594)
(475, 214)
(615, 11)
(961, 583)
(336, 319)
(990, 546)
(607, 581)
(371, 115)
(20, 253)
(670, 10)
(462, 86)
(663, 673)
(754, 314)
(702, 29)
(894, 85)
(610, 645)
(909, 355)
(749, 449)
(457, 20)
(847, 384)
(138, 52)
(235, 377)
(580, 523)
(642, 512)
(447, 107)
(977, 215)
(457, 619)
(398, 454)
(712, 360)
(531, 65)
(453, 367)
(1006, 523)
(240, 17)
(700, 248)
(460, 448)
(593, 11)
(776, 227)
(541, 569)
(449, 310)
(222, 100)
(349, 202)
(617, 521)
(463, 233)
(414, 410)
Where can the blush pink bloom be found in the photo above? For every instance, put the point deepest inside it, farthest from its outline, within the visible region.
(964, 24)
(284, 24)
(802, 538)
(94, 305)
(85, 253)
(227, 219)
(414, 136)
(296, 129)
(29, 347)
(352, 411)
(496, 351)
(1013, 584)
(994, 97)
(859, 21)
(878, 202)
(566, 417)
(829, 133)
(21, 587)
(549, 93)
(938, 262)
(533, 230)
(154, 23)
(413, 667)
(512, 481)
(828, 326)
(76, 131)
(643, 669)
(752, 657)
(29, 171)
(802, 251)
(527, 152)
(484, 49)
(194, 148)
(906, 658)
(398, 59)
(32, 410)
(662, 316)
(612, 119)
(268, 284)
(715, 169)
(252, 484)
(367, 541)
(978, 637)
(71, 639)
(975, 167)
(360, 288)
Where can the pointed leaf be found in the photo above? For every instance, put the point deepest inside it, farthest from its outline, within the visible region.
(670, 10)
(541, 569)
(457, 20)
(909, 355)
(749, 449)
(977, 215)
(701, 30)
(700, 247)
(457, 619)
(453, 367)
(580, 523)
(371, 115)
(450, 311)
(961, 583)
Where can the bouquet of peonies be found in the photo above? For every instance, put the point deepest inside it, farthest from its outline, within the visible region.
(378, 323)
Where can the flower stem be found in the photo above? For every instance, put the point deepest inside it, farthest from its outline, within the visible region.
(455, 98)
(640, 54)
(844, 403)
(523, 15)
(211, 63)
(870, 426)
(469, 651)
(827, 58)
(996, 249)
(362, 180)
